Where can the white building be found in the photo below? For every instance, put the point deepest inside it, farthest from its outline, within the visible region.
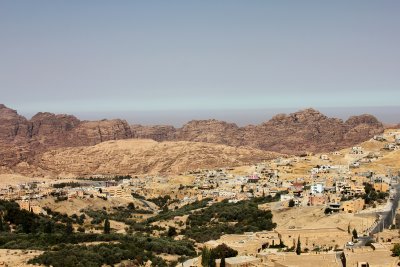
(286, 197)
(317, 188)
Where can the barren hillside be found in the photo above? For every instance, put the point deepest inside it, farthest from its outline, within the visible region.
(147, 157)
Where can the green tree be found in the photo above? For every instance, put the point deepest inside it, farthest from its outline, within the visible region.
(107, 228)
(1, 224)
(298, 246)
(131, 206)
(171, 231)
(291, 203)
(223, 251)
(222, 264)
(205, 257)
(211, 262)
(281, 244)
(69, 229)
(355, 234)
(396, 250)
(48, 228)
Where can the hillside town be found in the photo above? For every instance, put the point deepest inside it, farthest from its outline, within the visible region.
(351, 182)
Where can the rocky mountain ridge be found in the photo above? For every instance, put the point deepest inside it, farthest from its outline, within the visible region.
(303, 131)
(21, 139)
(24, 141)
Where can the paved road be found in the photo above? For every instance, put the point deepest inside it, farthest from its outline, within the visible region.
(386, 217)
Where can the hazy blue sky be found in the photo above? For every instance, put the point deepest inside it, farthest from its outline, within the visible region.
(188, 59)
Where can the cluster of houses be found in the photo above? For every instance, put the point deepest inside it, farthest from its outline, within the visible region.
(333, 186)
(336, 186)
(28, 194)
(394, 136)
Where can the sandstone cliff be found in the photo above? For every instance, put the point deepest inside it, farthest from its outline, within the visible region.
(21, 139)
(302, 131)
(157, 132)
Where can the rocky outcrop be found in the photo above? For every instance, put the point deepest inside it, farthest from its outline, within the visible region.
(157, 132)
(21, 139)
(311, 131)
(13, 127)
(304, 131)
(52, 130)
(210, 131)
(94, 132)
(361, 128)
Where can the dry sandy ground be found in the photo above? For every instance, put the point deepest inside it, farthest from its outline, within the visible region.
(15, 179)
(390, 161)
(181, 179)
(74, 206)
(314, 217)
(242, 170)
(17, 257)
(118, 227)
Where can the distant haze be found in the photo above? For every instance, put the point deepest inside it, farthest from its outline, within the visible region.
(168, 62)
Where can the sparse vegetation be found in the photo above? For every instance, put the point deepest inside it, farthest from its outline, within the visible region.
(61, 243)
(298, 246)
(70, 184)
(140, 249)
(222, 251)
(396, 250)
(371, 195)
(102, 179)
(355, 234)
(185, 210)
(227, 218)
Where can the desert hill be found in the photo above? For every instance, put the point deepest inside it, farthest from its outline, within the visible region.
(306, 130)
(146, 157)
(24, 141)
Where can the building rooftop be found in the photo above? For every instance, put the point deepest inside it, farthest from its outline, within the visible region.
(240, 259)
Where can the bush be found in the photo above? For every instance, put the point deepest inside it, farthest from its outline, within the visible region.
(396, 250)
(212, 222)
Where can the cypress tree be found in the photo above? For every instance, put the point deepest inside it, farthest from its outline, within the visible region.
(69, 229)
(298, 247)
(107, 227)
(212, 259)
(222, 264)
(205, 257)
(355, 234)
